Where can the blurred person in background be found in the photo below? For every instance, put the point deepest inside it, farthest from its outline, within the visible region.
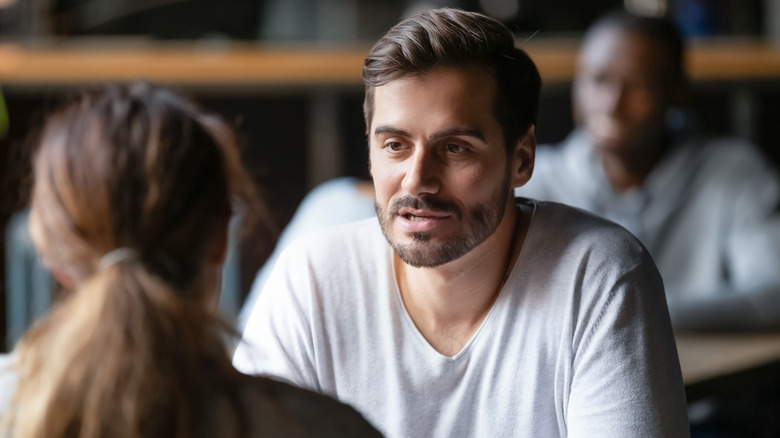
(707, 209)
(133, 190)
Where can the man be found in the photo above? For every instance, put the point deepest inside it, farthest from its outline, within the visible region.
(707, 210)
(462, 311)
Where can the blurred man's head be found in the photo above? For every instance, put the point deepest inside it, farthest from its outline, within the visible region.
(630, 72)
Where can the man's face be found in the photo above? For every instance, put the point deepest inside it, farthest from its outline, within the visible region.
(439, 164)
(619, 97)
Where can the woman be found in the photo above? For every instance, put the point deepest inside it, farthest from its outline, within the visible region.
(134, 187)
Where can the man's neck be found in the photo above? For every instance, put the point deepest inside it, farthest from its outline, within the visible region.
(449, 302)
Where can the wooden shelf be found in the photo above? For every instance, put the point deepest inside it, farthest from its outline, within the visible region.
(237, 66)
(253, 65)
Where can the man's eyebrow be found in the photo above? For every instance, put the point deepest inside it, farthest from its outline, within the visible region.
(387, 129)
(460, 132)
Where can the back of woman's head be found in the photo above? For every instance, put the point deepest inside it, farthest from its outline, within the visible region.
(132, 167)
(132, 192)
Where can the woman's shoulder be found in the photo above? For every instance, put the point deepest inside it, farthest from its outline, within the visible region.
(276, 408)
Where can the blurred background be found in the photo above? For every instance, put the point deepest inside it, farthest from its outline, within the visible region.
(287, 74)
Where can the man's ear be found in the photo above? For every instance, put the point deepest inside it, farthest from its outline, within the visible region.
(523, 158)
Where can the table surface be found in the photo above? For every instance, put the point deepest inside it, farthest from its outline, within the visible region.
(708, 356)
(249, 64)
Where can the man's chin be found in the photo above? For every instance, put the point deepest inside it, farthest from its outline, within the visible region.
(420, 259)
(425, 253)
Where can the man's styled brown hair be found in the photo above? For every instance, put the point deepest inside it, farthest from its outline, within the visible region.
(454, 38)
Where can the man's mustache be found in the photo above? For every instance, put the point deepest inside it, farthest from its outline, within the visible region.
(425, 203)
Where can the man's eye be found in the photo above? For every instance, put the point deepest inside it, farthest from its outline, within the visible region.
(394, 146)
(454, 148)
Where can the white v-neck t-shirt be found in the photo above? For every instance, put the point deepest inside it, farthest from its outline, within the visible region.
(577, 344)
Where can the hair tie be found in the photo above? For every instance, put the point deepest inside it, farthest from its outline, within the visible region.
(116, 256)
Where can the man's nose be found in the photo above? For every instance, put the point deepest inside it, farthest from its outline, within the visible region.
(422, 174)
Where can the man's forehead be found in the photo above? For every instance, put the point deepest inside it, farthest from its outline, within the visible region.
(452, 83)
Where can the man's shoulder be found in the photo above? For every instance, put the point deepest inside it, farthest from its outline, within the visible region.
(571, 226)
(586, 249)
(560, 215)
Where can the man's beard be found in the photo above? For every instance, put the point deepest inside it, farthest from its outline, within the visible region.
(479, 223)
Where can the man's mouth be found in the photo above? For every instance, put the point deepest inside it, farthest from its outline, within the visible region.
(421, 215)
(417, 220)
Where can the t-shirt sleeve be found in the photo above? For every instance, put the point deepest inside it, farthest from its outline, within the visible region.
(277, 337)
(626, 379)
